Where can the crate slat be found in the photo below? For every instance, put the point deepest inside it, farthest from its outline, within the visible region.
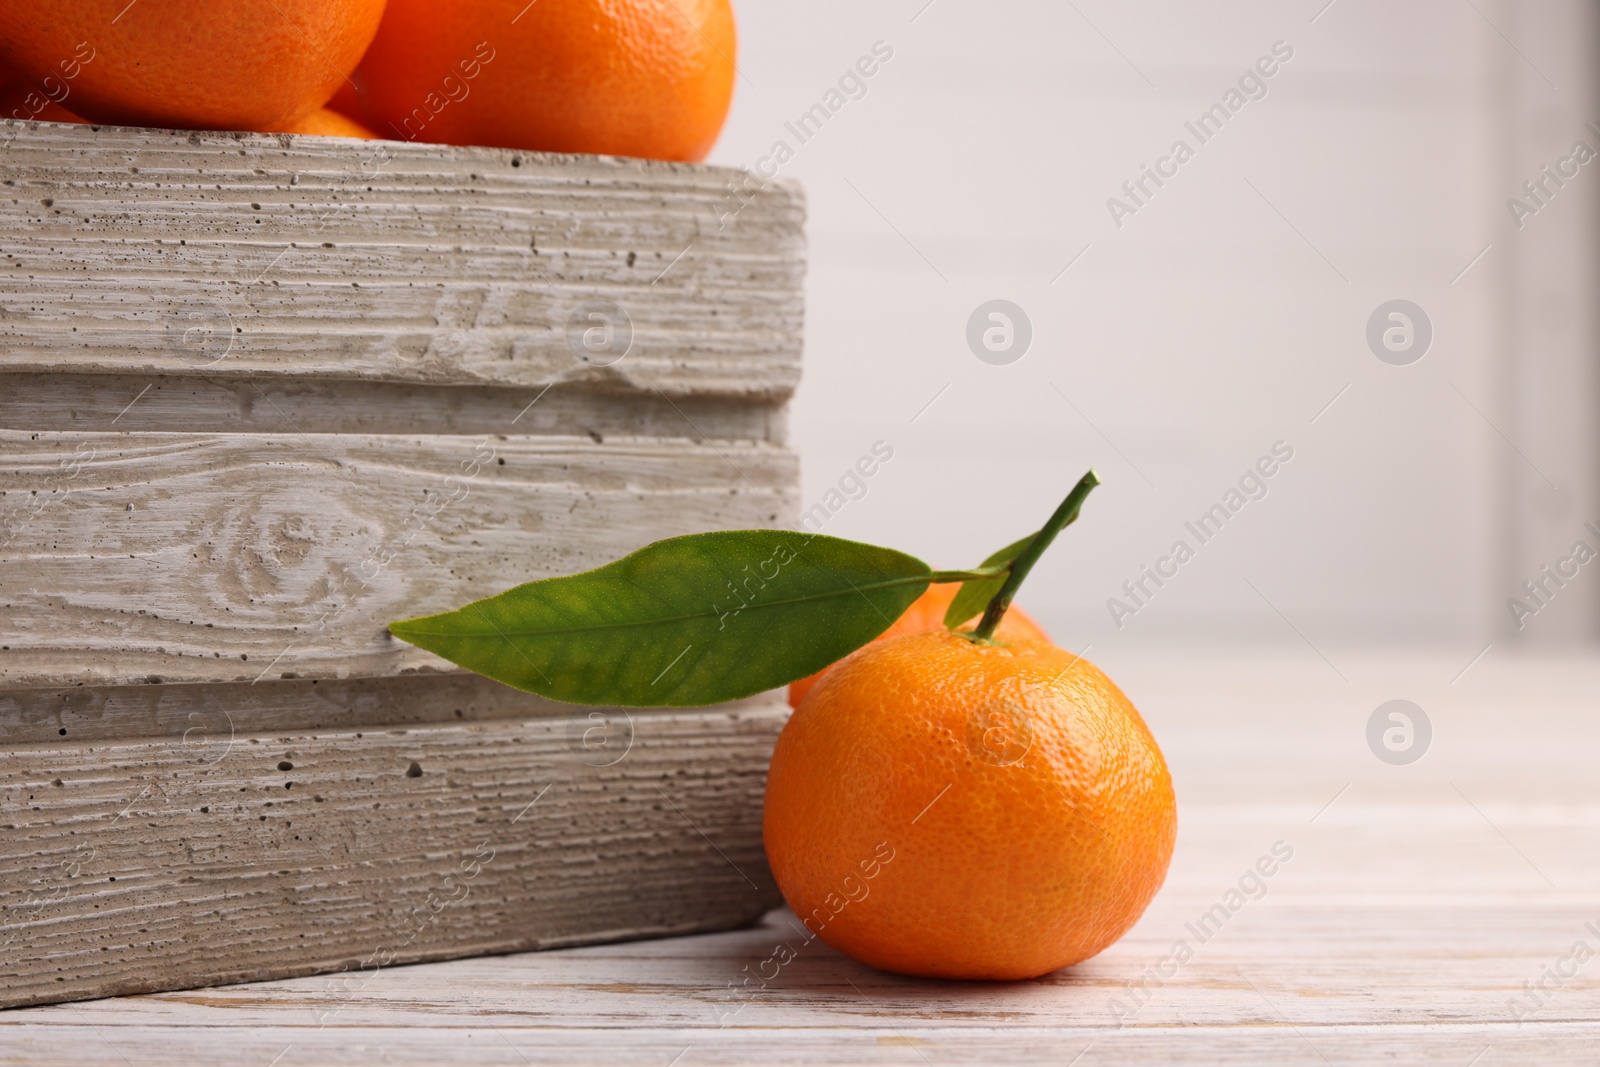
(126, 402)
(259, 255)
(194, 859)
(233, 557)
(84, 713)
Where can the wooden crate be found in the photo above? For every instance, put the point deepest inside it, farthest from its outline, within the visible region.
(260, 395)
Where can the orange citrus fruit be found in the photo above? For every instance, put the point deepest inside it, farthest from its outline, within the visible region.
(346, 101)
(24, 103)
(326, 122)
(950, 808)
(649, 78)
(191, 64)
(927, 613)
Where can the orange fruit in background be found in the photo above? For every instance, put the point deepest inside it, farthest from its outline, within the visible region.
(24, 103)
(953, 809)
(326, 122)
(20, 102)
(346, 102)
(190, 64)
(927, 613)
(647, 78)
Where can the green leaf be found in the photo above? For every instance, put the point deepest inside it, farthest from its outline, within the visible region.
(975, 595)
(690, 620)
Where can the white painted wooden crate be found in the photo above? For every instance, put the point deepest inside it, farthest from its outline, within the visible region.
(261, 395)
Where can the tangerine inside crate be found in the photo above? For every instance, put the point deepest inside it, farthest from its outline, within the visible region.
(261, 395)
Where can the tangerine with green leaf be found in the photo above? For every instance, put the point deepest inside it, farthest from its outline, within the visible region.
(956, 804)
(952, 803)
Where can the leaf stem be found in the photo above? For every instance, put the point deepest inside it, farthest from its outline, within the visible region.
(1064, 515)
(940, 577)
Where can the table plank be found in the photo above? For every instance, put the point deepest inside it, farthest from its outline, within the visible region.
(1414, 910)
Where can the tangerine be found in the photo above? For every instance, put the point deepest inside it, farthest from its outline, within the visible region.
(648, 78)
(24, 103)
(927, 613)
(949, 807)
(190, 64)
(326, 122)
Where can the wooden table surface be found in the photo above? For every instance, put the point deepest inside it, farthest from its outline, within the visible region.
(1442, 912)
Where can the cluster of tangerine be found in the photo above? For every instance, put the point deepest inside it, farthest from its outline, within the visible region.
(647, 78)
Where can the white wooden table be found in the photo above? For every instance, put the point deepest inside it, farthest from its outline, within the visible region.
(1419, 901)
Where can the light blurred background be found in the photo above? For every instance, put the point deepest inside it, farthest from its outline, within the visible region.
(1229, 313)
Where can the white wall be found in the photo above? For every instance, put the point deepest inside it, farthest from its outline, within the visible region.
(1217, 320)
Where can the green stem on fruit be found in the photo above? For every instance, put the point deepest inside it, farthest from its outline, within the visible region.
(1066, 513)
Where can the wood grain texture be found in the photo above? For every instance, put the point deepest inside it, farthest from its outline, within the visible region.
(261, 395)
(1405, 928)
(132, 251)
(280, 405)
(185, 861)
(126, 558)
(84, 713)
